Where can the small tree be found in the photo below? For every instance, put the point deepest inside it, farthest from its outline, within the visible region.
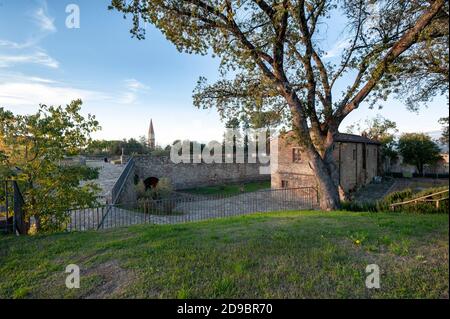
(33, 147)
(418, 149)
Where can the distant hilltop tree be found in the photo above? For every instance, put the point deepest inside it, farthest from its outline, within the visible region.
(418, 149)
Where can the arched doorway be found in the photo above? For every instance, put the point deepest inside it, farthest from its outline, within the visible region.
(151, 182)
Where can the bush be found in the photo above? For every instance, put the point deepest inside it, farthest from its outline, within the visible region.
(359, 206)
(86, 173)
(156, 200)
(399, 196)
(162, 190)
(140, 189)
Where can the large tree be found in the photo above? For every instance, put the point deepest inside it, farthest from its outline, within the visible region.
(272, 58)
(33, 149)
(423, 73)
(418, 149)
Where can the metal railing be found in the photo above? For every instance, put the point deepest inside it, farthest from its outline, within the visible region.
(12, 215)
(181, 208)
(116, 191)
(119, 185)
(424, 199)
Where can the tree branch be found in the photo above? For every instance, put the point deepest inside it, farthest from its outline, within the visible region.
(406, 41)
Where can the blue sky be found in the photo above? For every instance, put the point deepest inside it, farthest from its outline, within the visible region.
(123, 81)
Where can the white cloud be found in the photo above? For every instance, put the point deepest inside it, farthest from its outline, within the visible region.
(45, 23)
(135, 85)
(40, 80)
(25, 91)
(38, 57)
(133, 88)
(127, 98)
(17, 45)
(31, 93)
(43, 20)
(34, 55)
(337, 49)
(9, 76)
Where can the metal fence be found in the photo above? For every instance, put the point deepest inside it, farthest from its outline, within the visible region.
(119, 185)
(12, 215)
(183, 208)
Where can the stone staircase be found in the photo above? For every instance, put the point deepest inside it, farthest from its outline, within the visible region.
(108, 175)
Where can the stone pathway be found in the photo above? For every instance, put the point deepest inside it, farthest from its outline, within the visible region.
(108, 175)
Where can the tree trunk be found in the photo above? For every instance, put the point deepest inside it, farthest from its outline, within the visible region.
(420, 169)
(333, 170)
(327, 188)
(37, 223)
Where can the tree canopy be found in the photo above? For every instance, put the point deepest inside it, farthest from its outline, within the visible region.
(33, 149)
(418, 149)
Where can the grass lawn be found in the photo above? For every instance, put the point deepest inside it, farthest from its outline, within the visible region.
(229, 189)
(276, 255)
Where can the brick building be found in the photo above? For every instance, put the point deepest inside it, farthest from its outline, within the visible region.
(357, 158)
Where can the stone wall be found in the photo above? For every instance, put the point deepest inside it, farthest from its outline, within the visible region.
(189, 175)
(348, 156)
(295, 174)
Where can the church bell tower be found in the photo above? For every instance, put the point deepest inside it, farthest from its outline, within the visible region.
(151, 136)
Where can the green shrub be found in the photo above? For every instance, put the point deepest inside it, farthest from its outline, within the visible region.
(140, 189)
(85, 172)
(359, 206)
(399, 196)
(162, 190)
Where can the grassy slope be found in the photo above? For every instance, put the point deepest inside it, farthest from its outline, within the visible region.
(278, 255)
(231, 189)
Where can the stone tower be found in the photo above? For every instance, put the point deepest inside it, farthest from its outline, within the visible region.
(151, 136)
